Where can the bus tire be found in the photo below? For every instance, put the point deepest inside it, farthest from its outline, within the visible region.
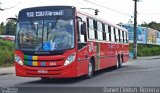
(90, 70)
(118, 62)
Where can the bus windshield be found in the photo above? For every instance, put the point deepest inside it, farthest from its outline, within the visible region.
(45, 35)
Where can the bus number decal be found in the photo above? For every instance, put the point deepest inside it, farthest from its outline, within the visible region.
(30, 14)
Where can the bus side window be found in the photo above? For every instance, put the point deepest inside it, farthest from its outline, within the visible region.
(119, 34)
(109, 31)
(95, 29)
(90, 25)
(115, 37)
(81, 37)
(104, 32)
(122, 36)
(99, 31)
(112, 34)
(126, 37)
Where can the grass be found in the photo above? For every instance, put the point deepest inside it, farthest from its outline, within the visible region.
(6, 53)
(146, 50)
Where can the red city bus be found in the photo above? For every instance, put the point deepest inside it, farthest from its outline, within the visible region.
(61, 42)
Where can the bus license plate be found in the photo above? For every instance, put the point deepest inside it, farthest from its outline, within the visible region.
(43, 71)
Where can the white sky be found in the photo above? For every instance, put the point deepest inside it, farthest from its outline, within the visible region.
(148, 10)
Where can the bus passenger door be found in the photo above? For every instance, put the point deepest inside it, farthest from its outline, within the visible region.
(82, 64)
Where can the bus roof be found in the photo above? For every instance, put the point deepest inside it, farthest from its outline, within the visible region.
(48, 7)
(83, 13)
(101, 20)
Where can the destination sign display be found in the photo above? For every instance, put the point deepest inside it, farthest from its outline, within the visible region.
(45, 12)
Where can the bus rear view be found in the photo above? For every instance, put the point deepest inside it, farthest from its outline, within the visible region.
(45, 42)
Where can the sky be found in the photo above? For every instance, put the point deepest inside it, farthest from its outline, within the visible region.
(115, 11)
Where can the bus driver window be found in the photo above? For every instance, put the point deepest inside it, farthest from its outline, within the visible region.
(62, 35)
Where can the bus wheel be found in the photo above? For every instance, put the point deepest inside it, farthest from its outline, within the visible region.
(90, 69)
(121, 61)
(118, 62)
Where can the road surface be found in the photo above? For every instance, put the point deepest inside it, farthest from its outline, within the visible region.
(143, 72)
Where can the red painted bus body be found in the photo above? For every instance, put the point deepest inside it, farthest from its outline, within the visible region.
(72, 62)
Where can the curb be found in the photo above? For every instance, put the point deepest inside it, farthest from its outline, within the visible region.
(7, 70)
(146, 58)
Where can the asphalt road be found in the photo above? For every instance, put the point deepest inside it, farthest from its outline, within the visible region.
(143, 72)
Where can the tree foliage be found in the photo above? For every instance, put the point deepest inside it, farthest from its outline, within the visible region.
(2, 28)
(8, 29)
(152, 25)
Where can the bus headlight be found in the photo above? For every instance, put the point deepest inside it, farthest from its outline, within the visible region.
(18, 60)
(70, 59)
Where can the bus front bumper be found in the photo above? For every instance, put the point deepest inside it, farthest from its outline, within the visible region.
(46, 72)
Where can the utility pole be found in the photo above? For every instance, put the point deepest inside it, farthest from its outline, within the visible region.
(135, 30)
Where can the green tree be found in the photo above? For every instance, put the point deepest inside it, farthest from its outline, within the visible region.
(2, 28)
(10, 28)
(152, 25)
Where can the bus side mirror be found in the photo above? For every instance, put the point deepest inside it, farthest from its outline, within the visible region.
(83, 29)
